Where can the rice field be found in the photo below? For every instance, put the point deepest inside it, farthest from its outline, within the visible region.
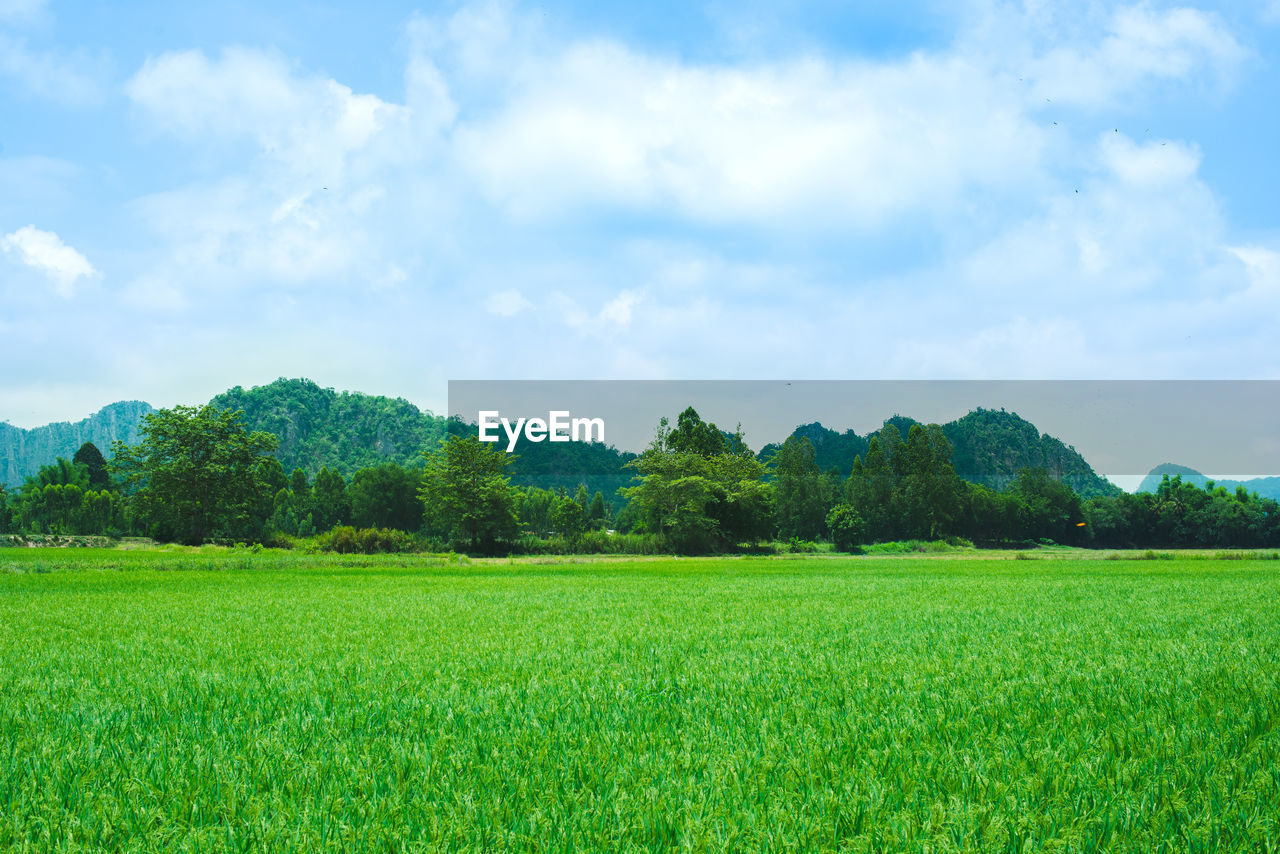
(215, 700)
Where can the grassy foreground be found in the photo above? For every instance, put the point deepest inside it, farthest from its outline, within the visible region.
(866, 704)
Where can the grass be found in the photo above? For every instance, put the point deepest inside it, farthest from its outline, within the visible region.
(207, 700)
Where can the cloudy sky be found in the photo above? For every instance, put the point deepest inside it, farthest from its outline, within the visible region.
(199, 195)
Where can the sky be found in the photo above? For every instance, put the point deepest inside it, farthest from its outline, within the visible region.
(384, 197)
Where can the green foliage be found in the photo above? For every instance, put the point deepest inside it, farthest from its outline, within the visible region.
(1181, 514)
(386, 496)
(345, 539)
(695, 492)
(95, 465)
(343, 431)
(466, 494)
(801, 494)
(848, 530)
(61, 473)
(196, 474)
(569, 519)
(329, 504)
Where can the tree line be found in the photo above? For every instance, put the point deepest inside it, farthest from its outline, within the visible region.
(199, 475)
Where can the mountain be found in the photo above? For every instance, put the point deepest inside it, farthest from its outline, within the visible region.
(346, 431)
(1267, 487)
(832, 450)
(991, 447)
(22, 452)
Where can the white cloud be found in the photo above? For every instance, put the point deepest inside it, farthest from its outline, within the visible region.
(1094, 55)
(618, 309)
(44, 251)
(654, 206)
(835, 144)
(69, 78)
(1151, 165)
(308, 123)
(507, 303)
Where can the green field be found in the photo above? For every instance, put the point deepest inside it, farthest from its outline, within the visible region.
(218, 700)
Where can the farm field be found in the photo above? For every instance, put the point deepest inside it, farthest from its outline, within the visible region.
(208, 700)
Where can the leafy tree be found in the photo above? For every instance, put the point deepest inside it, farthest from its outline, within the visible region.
(847, 529)
(534, 507)
(195, 474)
(698, 489)
(801, 493)
(695, 436)
(465, 492)
(929, 491)
(386, 496)
(61, 472)
(91, 458)
(329, 503)
(1052, 509)
(583, 498)
(568, 518)
(596, 512)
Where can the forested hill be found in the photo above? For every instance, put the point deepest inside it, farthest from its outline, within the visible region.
(345, 431)
(22, 452)
(991, 447)
(1267, 487)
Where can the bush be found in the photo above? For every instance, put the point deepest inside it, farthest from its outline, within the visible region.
(797, 546)
(848, 529)
(592, 542)
(345, 539)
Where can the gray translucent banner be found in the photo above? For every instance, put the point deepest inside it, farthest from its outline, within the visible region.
(1123, 429)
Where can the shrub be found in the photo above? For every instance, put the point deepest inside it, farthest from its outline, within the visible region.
(345, 539)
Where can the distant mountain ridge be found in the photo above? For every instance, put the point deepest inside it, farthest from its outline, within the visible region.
(991, 447)
(22, 452)
(1267, 487)
(347, 431)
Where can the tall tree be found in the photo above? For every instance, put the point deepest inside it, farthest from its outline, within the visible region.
(801, 493)
(91, 458)
(699, 490)
(465, 492)
(195, 473)
(329, 503)
(386, 496)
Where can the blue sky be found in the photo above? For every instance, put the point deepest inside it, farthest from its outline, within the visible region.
(383, 198)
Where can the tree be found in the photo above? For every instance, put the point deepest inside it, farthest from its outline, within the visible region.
(1053, 510)
(466, 494)
(596, 512)
(91, 458)
(801, 493)
(385, 496)
(329, 503)
(568, 518)
(699, 490)
(61, 472)
(195, 473)
(929, 489)
(848, 530)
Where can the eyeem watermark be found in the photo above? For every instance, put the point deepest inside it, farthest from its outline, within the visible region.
(558, 426)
